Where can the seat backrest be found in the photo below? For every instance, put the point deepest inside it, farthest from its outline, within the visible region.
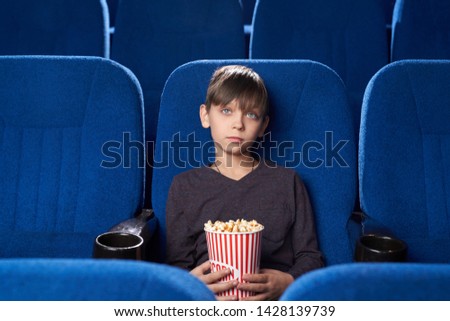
(310, 130)
(248, 7)
(349, 36)
(67, 169)
(152, 38)
(373, 282)
(54, 27)
(112, 10)
(420, 30)
(404, 154)
(388, 7)
(97, 280)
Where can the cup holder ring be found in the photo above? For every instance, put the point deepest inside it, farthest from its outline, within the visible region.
(380, 248)
(118, 245)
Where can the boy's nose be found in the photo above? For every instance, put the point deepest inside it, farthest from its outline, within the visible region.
(238, 122)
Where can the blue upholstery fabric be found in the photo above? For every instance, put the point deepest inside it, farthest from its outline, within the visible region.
(404, 156)
(54, 27)
(310, 117)
(388, 7)
(152, 38)
(59, 185)
(248, 7)
(421, 30)
(94, 280)
(373, 282)
(349, 36)
(112, 10)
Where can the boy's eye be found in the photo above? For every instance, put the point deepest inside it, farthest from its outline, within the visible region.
(252, 115)
(226, 111)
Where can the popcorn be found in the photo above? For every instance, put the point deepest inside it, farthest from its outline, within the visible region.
(238, 226)
(234, 245)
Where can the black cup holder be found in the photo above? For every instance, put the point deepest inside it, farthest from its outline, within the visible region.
(118, 245)
(380, 248)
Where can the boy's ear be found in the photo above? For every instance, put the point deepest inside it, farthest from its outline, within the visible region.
(263, 126)
(204, 116)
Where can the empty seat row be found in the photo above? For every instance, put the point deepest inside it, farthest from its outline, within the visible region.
(420, 30)
(52, 27)
(121, 280)
(248, 10)
(73, 28)
(43, 279)
(373, 282)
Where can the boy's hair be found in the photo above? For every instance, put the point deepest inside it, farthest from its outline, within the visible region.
(240, 83)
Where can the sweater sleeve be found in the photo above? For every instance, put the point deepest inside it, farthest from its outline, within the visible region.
(307, 256)
(180, 246)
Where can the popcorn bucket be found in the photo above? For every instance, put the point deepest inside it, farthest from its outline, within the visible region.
(240, 252)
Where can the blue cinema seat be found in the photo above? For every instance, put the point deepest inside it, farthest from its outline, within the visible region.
(112, 10)
(420, 30)
(348, 36)
(70, 165)
(404, 156)
(373, 282)
(97, 280)
(54, 27)
(388, 7)
(248, 7)
(152, 38)
(310, 118)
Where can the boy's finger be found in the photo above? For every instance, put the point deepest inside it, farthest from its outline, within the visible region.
(220, 274)
(252, 287)
(205, 266)
(216, 276)
(201, 269)
(255, 278)
(223, 286)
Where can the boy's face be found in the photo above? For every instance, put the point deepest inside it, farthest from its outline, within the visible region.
(232, 129)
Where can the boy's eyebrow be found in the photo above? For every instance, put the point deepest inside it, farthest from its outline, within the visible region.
(223, 105)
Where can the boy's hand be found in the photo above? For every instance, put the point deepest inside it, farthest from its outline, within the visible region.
(268, 284)
(212, 280)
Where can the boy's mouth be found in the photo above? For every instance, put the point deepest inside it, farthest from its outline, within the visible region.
(234, 139)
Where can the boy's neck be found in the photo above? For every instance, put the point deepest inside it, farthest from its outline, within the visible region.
(235, 167)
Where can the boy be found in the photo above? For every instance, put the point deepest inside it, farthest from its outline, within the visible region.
(241, 185)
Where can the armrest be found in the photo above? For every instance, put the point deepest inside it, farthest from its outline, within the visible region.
(136, 224)
(144, 224)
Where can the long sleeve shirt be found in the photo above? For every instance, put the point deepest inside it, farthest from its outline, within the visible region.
(274, 196)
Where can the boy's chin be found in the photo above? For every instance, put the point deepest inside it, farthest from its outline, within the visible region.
(235, 150)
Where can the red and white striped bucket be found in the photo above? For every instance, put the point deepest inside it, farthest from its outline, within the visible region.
(240, 251)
